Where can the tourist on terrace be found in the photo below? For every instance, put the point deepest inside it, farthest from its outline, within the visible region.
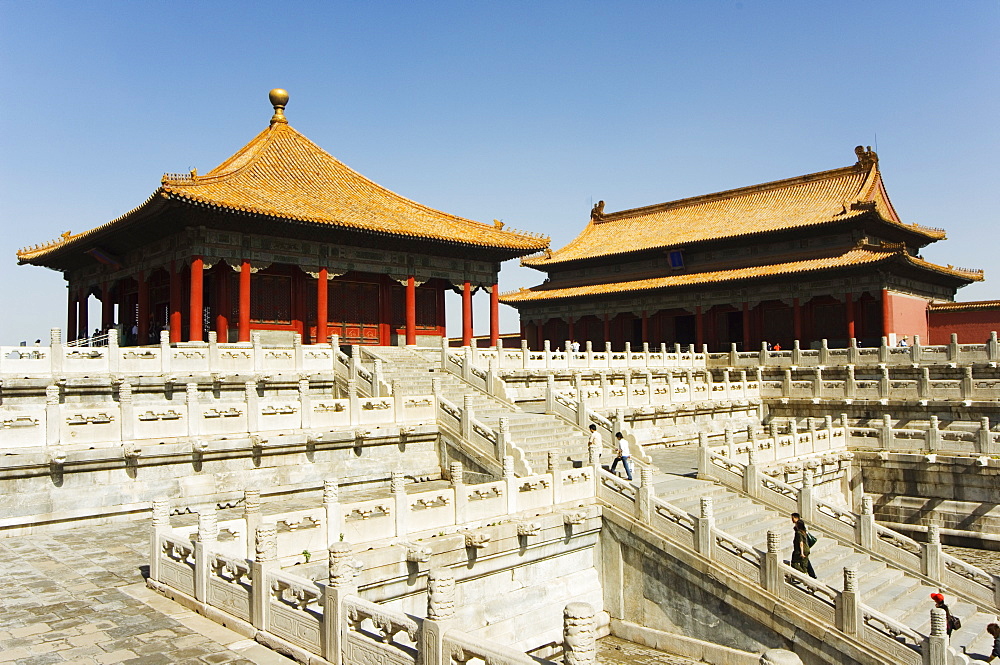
(801, 547)
(949, 621)
(994, 630)
(623, 455)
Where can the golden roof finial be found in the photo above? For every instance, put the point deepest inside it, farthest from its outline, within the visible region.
(279, 98)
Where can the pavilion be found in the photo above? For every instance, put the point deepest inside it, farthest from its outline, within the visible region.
(280, 237)
(819, 256)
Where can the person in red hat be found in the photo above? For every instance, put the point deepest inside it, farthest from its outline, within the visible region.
(950, 622)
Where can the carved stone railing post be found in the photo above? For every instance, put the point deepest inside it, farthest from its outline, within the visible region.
(547, 352)
(53, 415)
(552, 468)
(933, 435)
(251, 517)
(353, 401)
(953, 348)
(590, 353)
(341, 573)
(786, 383)
(56, 351)
(703, 525)
(253, 406)
(850, 383)
(467, 416)
(208, 534)
(806, 502)
(993, 347)
(525, 356)
(796, 353)
(884, 387)
(968, 390)
(752, 473)
(579, 634)
(824, 353)
(397, 485)
(883, 350)
(986, 444)
(503, 439)
(305, 405)
(770, 571)
(817, 387)
(457, 473)
(704, 457)
(931, 564)
(161, 525)
(916, 350)
(644, 498)
(733, 355)
(865, 524)
(849, 618)
(924, 383)
(511, 482)
(853, 355)
(194, 410)
(440, 614)
(265, 560)
(885, 432)
(550, 394)
(594, 457)
(935, 646)
(334, 514)
(165, 352)
(127, 411)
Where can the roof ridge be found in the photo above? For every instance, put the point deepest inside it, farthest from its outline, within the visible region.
(729, 193)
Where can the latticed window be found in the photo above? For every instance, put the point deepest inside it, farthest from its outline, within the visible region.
(271, 299)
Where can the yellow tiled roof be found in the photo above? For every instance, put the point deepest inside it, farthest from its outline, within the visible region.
(964, 306)
(861, 255)
(809, 200)
(281, 173)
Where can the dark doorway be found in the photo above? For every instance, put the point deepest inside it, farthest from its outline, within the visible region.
(684, 329)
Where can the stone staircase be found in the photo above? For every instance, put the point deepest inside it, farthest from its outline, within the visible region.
(902, 596)
(413, 371)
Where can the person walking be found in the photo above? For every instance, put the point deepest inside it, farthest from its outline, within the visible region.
(950, 622)
(801, 547)
(623, 455)
(994, 630)
(594, 439)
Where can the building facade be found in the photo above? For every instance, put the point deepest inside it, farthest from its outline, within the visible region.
(820, 256)
(281, 237)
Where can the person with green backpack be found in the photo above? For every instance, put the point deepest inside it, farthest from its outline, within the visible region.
(802, 542)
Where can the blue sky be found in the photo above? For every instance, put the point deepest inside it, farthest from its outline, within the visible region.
(523, 111)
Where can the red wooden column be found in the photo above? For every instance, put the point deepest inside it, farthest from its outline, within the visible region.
(570, 330)
(175, 305)
(411, 310)
(222, 308)
(142, 324)
(72, 331)
(84, 309)
(107, 306)
(699, 328)
(466, 313)
(197, 299)
(244, 322)
(645, 327)
(322, 304)
(495, 315)
(849, 306)
(797, 319)
(607, 328)
(886, 313)
(746, 326)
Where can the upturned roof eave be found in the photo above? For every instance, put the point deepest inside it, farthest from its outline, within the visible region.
(962, 277)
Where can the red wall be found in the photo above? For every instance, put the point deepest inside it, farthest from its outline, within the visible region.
(907, 316)
(972, 326)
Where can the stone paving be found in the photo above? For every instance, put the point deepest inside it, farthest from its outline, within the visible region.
(78, 596)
